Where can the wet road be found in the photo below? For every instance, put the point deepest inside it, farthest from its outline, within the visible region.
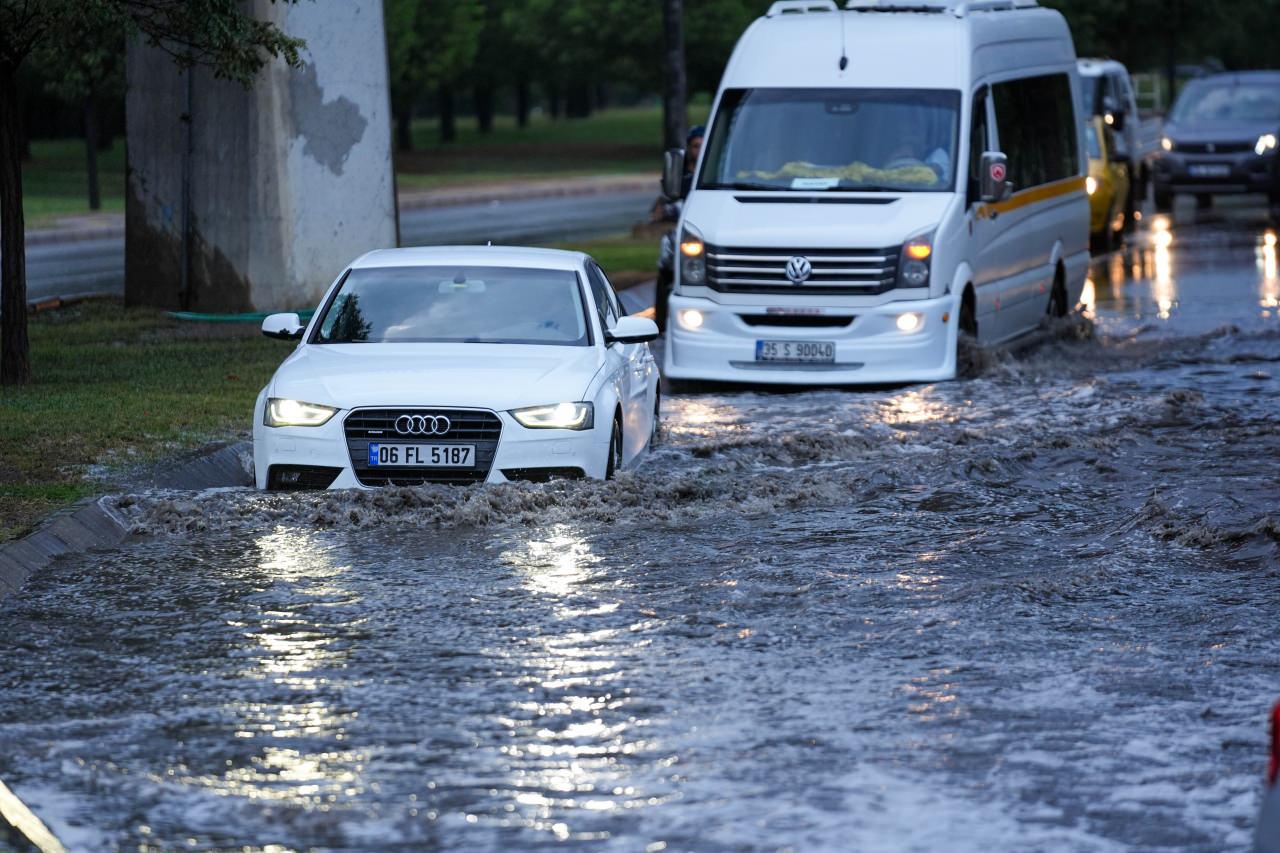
(1036, 609)
(90, 267)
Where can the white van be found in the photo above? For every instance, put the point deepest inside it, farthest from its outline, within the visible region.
(875, 183)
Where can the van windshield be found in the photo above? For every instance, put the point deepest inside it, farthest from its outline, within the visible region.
(859, 140)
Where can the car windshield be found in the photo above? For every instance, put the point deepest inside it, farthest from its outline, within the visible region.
(453, 304)
(1228, 102)
(901, 140)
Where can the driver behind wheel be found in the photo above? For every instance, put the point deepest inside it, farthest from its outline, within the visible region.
(912, 148)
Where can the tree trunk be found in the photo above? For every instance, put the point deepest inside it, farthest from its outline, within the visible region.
(675, 81)
(554, 102)
(448, 121)
(404, 129)
(578, 103)
(91, 152)
(522, 103)
(15, 350)
(484, 107)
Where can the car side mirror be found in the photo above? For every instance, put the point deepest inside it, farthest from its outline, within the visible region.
(284, 327)
(995, 185)
(632, 330)
(673, 173)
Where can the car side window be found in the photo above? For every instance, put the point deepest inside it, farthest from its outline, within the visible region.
(602, 294)
(977, 142)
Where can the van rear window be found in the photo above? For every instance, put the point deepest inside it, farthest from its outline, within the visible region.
(899, 140)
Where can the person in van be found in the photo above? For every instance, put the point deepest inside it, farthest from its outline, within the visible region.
(667, 210)
(913, 148)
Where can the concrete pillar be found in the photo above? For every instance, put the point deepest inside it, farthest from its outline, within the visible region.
(288, 181)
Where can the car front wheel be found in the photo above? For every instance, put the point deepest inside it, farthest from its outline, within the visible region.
(615, 450)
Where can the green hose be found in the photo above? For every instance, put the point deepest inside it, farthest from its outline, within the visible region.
(195, 317)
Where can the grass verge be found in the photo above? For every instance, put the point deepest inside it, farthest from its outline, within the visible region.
(114, 388)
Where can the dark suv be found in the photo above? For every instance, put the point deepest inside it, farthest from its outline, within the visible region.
(1221, 137)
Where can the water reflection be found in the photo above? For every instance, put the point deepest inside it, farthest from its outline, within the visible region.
(295, 651)
(1269, 285)
(1163, 289)
(567, 738)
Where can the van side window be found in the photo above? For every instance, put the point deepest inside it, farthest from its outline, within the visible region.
(1036, 120)
(978, 141)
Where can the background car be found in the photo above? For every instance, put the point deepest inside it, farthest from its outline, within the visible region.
(1107, 93)
(1108, 185)
(1221, 137)
(458, 365)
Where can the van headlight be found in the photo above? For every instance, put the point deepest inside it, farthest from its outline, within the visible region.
(693, 256)
(914, 264)
(283, 412)
(556, 416)
(1266, 142)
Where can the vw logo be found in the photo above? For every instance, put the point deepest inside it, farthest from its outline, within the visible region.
(799, 269)
(1211, 148)
(422, 425)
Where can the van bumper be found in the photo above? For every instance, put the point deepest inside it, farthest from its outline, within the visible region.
(871, 350)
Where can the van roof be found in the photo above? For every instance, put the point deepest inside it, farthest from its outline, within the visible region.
(905, 45)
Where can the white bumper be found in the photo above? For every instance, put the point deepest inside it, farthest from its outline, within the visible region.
(869, 351)
(518, 448)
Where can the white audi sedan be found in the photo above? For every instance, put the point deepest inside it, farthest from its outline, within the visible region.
(458, 365)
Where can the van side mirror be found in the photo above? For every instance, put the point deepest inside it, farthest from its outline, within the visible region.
(284, 327)
(995, 185)
(1117, 120)
(673, 173)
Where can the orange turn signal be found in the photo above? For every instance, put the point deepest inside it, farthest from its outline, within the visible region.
(691, 248)
(919, 251)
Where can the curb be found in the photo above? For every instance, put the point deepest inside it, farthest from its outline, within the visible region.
(91, 525)
(21, 828)
(45, 236)
(410, 200)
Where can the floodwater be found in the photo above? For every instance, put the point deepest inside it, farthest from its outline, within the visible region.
(1035, 609)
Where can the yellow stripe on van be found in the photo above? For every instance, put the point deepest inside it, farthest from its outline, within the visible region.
(1066, 186)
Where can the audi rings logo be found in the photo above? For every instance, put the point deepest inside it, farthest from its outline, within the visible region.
(422, 425)
(799, 269)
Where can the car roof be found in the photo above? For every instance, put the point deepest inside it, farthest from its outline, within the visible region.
(488, 256)
(1239, 77)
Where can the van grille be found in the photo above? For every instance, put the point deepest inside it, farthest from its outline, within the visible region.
(466, 426)
(835, 271)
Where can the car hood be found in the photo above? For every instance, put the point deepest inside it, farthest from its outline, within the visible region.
(485, 376)
(1201, 131)
(796, 221)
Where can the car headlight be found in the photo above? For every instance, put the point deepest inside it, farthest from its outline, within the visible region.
(282, 412)
(693, 256)
(556, 416)
(1266, 142)
(917, 253)
(1166, 143)
(1091, 184)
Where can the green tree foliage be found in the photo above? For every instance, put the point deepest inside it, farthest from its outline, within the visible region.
(431, 45)
(215, 34)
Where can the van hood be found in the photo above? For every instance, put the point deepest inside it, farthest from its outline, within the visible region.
(807, 221)
(465, 375)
